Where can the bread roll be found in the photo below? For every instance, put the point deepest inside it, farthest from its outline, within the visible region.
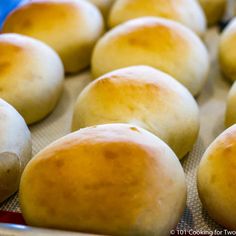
(187, 12)
(227, 51)
(216, 179)
(31, 76)
(70, 27)
(214, 10)
(103, 5)
(15, 149)
(145, 97)
(230, 116)
(112, 179)
(160, 43)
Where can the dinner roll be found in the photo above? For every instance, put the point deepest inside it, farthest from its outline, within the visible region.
(187, 12)
(103, 5)
(111, 179)
(227, 51)
(160, 43)
(31, 76)
(216, 179)
(15, 149)
(145, 97)
(70, 27)
(230, 116)
(214, 10)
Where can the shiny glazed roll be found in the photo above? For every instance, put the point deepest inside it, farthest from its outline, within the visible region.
(145, 97)
(160, 43)
(216, 179)
(112, 179)
(31, 76)
(70, 27)
(187, 12)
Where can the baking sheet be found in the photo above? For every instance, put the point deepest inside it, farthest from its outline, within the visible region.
(212, 107)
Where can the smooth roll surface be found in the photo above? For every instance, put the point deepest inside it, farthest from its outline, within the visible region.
(214, 10)
(15, 149)
(160, 43)
(227, 51)
(70, 27)
(230, 115)
(216, 179)
(141, 96)
(103, 5)
(31, 76)
(111, 179)
(187, 12)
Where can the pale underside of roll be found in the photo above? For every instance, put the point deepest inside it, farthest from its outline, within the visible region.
(15, 149)
(103, 5)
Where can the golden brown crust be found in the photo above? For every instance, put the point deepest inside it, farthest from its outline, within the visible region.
(216, 179)
(160, 43)
(103, 5)
(230, 115)
(214, 10)
(227, 51)
(32, 76)
(106, 180)
(143, 96)
(70, 27)
(187, 12)
(15, 149)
